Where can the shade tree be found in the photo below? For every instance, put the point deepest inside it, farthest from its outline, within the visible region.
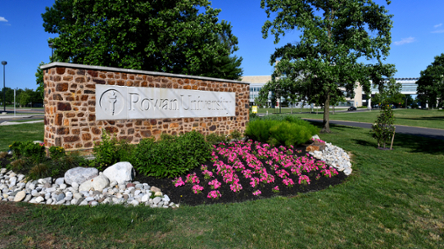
(334, 35)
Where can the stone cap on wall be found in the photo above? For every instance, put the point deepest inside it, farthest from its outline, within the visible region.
(124, 70)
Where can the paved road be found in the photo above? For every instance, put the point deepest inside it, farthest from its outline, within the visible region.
(21, 117)
(423, 132)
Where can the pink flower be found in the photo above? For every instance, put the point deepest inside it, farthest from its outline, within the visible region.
(235, 187)
(214, 184)
(197, 189)
(215, 194)
(178, 182)
(257, 192)
(254, 182)
(303, 179)
(288, 181)
(207, 174)
(275, 189)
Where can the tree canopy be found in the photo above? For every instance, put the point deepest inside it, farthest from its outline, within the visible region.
(334, 35)
(431, 82)
(389, 93)
(166, 36)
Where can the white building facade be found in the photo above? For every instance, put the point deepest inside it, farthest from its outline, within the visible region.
(408, 86)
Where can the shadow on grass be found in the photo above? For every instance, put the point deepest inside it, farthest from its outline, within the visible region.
(434, 118)
(414, 143)
(419, 144)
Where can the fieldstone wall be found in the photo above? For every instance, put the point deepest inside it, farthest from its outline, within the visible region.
(70, 105)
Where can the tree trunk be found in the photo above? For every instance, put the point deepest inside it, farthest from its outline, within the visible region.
(326, 120)
(302, 106)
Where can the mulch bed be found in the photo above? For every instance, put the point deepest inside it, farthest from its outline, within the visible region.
(184, 194)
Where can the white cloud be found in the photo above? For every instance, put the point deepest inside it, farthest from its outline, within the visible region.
(438, 25)
(2, 19)
(438, 31)
(405, 41)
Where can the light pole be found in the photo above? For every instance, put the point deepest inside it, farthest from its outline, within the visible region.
(52, 49)
(4, 90)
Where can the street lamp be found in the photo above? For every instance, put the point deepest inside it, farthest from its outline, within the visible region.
(4, 89)
(52, 49)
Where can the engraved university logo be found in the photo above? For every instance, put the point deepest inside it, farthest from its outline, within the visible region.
(112, 102)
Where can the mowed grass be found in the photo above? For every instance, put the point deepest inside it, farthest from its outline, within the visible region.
(409, 117)
(21, 133)
(393, 199)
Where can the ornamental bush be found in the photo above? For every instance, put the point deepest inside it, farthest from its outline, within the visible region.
(383, 129)
(171, 156)
(30, 150)
(111, 151)
(280, 130)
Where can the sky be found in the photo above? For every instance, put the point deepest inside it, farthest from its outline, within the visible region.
(417, 37)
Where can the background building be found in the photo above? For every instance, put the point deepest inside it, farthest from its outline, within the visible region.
(408, 86)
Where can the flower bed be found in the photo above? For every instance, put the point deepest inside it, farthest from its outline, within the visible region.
(240, 171)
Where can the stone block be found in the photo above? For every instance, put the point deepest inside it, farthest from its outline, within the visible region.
(62, 87)
(70, 139)
(63, 106)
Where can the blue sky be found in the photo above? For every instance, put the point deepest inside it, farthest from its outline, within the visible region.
(417, 35)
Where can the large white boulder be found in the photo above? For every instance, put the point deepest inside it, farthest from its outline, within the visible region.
(98, 183)
(120, 172)
(80, 174)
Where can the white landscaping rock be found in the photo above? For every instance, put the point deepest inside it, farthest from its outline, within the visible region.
(120, 172)
(60, 181)
(80, 175)
(98, 183)
(20, 196)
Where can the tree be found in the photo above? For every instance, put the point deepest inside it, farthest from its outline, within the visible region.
(431, 82)
(9, 95)
(39, 80)
(24, 98)
(166, 36)
(389, 93)
(335, 34)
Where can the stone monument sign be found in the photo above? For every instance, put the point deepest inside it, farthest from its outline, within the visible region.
(83, 101)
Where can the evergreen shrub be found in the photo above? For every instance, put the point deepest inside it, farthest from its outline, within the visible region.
(111, 151)
(172, 155)
(280, 130)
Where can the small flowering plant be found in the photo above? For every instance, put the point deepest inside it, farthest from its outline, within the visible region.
(178, 182)
(304, 180)
(318, 140)
(214, 184)
(197, 189)
(215, 194)
(257, 192)
(275, 189)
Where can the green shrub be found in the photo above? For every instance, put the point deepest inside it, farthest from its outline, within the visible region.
(111, 151)
(384, 129)
(56, 152)
(34, 151)
(236, 135)
(172, 156)
(280, 130)
(16, 165)
(215, 139)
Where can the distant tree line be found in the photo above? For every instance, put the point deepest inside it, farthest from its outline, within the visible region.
(24, 97)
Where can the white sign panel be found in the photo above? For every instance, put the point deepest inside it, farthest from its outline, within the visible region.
(121, 102)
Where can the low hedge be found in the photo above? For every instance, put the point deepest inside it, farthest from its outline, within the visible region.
(280, 130)
(172, 155)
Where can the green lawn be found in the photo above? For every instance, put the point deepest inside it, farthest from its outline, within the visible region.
(410, 117)
(22, 132)
(393, 199)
